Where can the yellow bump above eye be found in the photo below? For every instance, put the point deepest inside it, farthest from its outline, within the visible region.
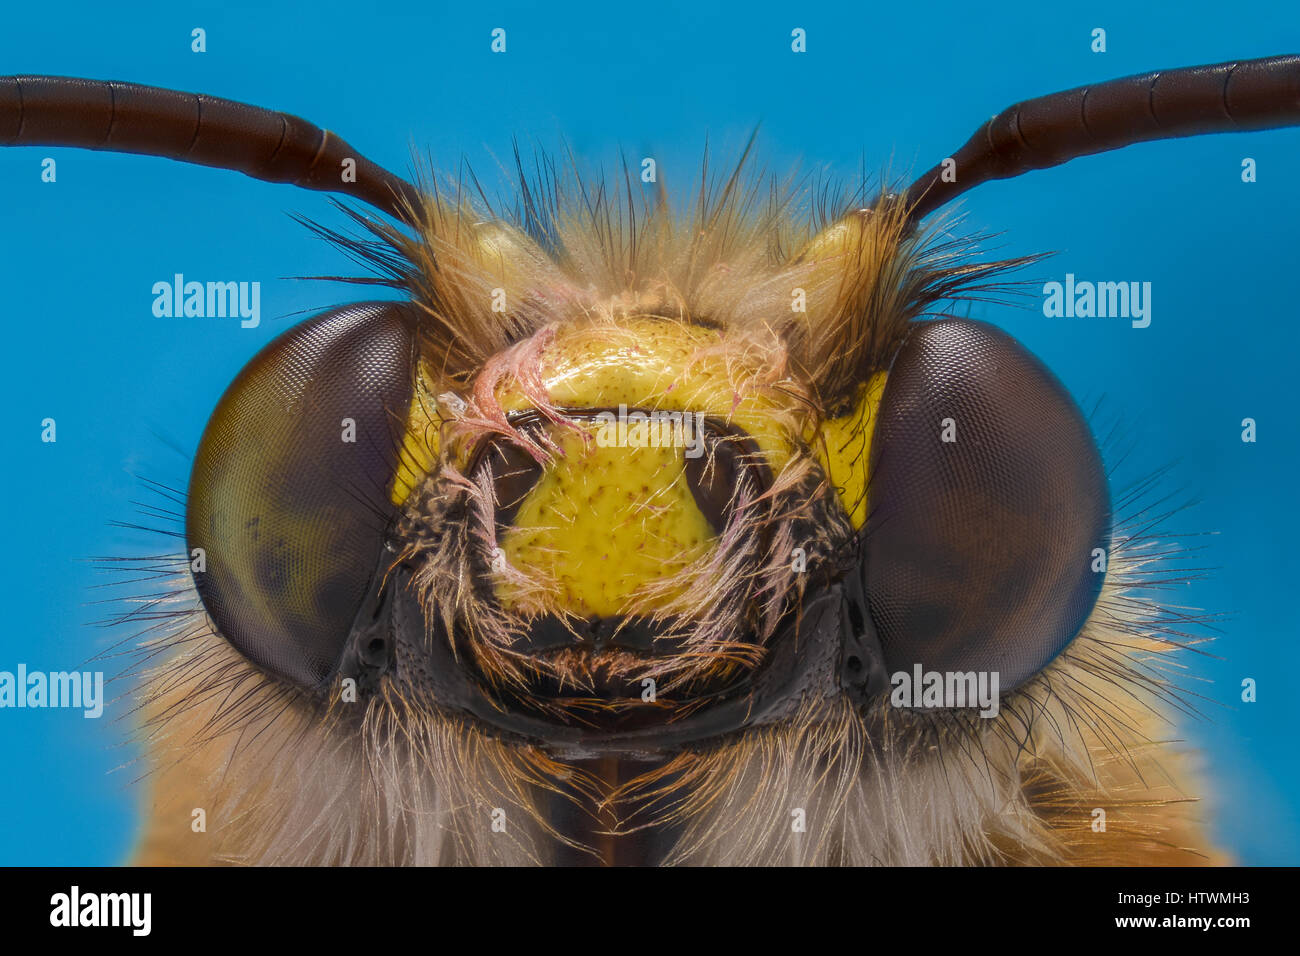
(602, 523)
(508, 256)
(419, 449)
(841, 238)
(845, 449)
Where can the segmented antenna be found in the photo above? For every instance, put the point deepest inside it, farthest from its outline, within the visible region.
(1040, 133)
(193, 128)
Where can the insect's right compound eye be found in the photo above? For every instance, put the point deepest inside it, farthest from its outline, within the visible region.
(290, 497)
(989, 511)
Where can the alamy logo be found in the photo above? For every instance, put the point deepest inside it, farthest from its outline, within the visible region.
(1103, 300)
(656, 429)
(75, 908)
(209, 300)
(78, 689)
(927, 689)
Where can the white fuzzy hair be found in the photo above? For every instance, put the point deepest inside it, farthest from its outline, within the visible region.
(280, 782)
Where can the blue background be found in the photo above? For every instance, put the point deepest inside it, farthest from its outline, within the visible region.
(894, 86)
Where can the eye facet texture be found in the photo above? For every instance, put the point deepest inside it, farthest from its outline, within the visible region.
(980, 550)
(289, 496)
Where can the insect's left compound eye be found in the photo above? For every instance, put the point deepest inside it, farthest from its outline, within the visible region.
(989, 512)
(290, 496)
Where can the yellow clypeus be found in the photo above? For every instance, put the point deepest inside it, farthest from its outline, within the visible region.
(602, 522)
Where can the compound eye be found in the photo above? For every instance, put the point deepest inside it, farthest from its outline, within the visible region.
(989, 508)
(290, 495)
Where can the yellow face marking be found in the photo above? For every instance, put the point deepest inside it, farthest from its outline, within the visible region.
(845, 449)
(602, 522)
(651, 363)
(420, 441)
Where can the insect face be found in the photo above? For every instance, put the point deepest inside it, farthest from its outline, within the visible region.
(619, 504)
(616, 520)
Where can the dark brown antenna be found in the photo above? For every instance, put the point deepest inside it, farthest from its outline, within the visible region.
(129, 118)
(1037, 134)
